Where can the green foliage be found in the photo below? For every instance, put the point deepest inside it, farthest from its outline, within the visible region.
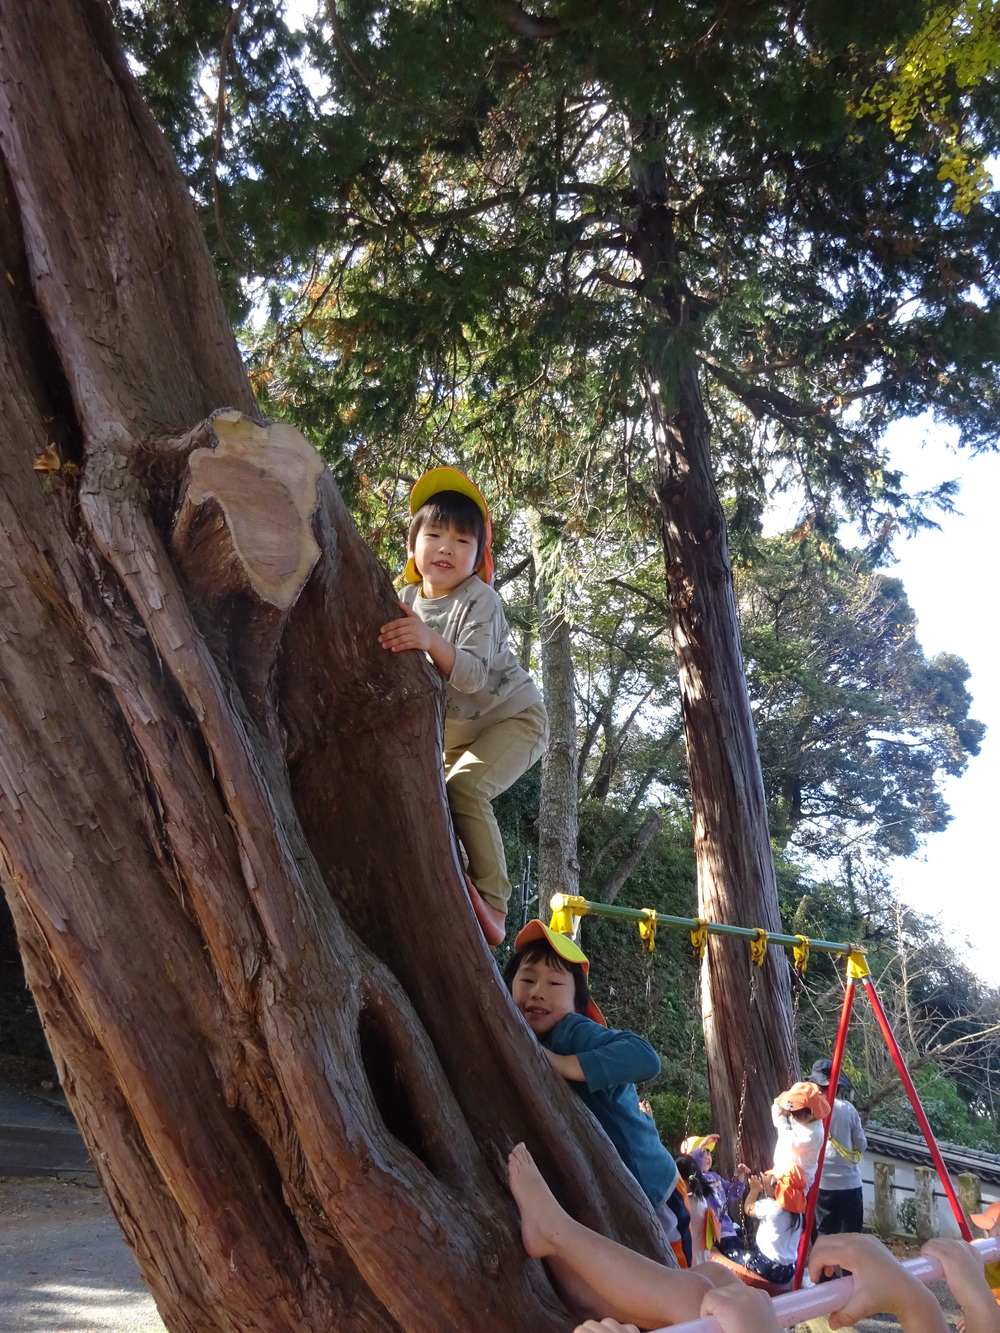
(656, 994)
(950, 1116)
(855, 726)
(906, 1216)
(454, 205)
(956, 48)
(676, 1118)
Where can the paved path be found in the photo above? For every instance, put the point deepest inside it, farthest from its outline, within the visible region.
(64, 1267)
(38, 1136)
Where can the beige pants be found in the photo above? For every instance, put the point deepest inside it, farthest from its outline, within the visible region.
(477, 773)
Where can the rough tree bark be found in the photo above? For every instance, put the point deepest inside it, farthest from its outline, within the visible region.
(223, 832)
(558, 810)
(749, 1045)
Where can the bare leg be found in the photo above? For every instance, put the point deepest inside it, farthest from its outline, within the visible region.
(596, 1274)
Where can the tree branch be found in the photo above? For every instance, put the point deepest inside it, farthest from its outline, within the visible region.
(527, 25)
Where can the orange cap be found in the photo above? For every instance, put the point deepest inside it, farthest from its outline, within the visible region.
(565, 948)
(804, 1095)
(790, 1190)
(450, 479)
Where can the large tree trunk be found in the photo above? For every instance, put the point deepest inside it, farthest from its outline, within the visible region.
(747, 1014)
(558, 810)
(223, 829)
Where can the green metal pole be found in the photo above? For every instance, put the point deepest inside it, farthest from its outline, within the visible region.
(563, 904)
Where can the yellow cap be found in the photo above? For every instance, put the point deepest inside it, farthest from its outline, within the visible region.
(450, 479)
(565, 948)
(696, 1141)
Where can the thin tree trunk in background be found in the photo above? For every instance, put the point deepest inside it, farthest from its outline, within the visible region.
(527, 636)
(644, 835)
(558, 812)
(748, 1029)
(223, 832)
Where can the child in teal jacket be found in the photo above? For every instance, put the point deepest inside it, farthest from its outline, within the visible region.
(547, 979)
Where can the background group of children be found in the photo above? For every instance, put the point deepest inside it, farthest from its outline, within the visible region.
(548, 979)
(495, 728)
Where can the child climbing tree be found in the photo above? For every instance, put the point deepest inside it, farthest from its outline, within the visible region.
(225, 843)
(684, 216)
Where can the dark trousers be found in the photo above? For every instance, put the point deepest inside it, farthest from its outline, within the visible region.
(769, 1269)
(840, 1210)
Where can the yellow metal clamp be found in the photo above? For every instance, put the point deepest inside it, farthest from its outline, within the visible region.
(565, 906)
(758, 948)
(800, 953)
(857, 964)
(647, 930)
(699, 937)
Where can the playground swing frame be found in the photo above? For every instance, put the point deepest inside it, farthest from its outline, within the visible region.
(567, 910)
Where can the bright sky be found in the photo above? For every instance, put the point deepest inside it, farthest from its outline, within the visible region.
(950, 581)
(950, 577)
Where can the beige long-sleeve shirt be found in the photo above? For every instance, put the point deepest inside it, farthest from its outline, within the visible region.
(487, 684)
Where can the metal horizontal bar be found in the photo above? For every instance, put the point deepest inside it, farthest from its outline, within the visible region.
(561, 902)
(826, 1297)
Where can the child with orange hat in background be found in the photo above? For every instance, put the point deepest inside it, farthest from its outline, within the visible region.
(495, 725)
(548, 981)
(798, 1116)
(779, 1226)
(777, 1197)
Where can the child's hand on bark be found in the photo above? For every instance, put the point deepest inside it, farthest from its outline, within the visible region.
(410, 632)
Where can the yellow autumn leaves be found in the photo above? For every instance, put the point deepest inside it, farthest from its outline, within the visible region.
(957, 48)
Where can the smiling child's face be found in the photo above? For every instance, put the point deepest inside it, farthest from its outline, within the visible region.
(545, 993)
(444, 557)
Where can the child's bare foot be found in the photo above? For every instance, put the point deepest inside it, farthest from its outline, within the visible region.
(541, 1215)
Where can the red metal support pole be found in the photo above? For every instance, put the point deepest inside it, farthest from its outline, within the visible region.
(805, 1240)
(918, 1109)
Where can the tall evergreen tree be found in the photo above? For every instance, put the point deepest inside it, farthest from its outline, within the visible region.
(678, 206)
(856, 726)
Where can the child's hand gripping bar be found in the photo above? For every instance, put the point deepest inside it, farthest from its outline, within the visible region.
(796, 1306)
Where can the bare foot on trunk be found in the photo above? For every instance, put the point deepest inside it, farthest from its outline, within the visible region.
(542, 1217)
